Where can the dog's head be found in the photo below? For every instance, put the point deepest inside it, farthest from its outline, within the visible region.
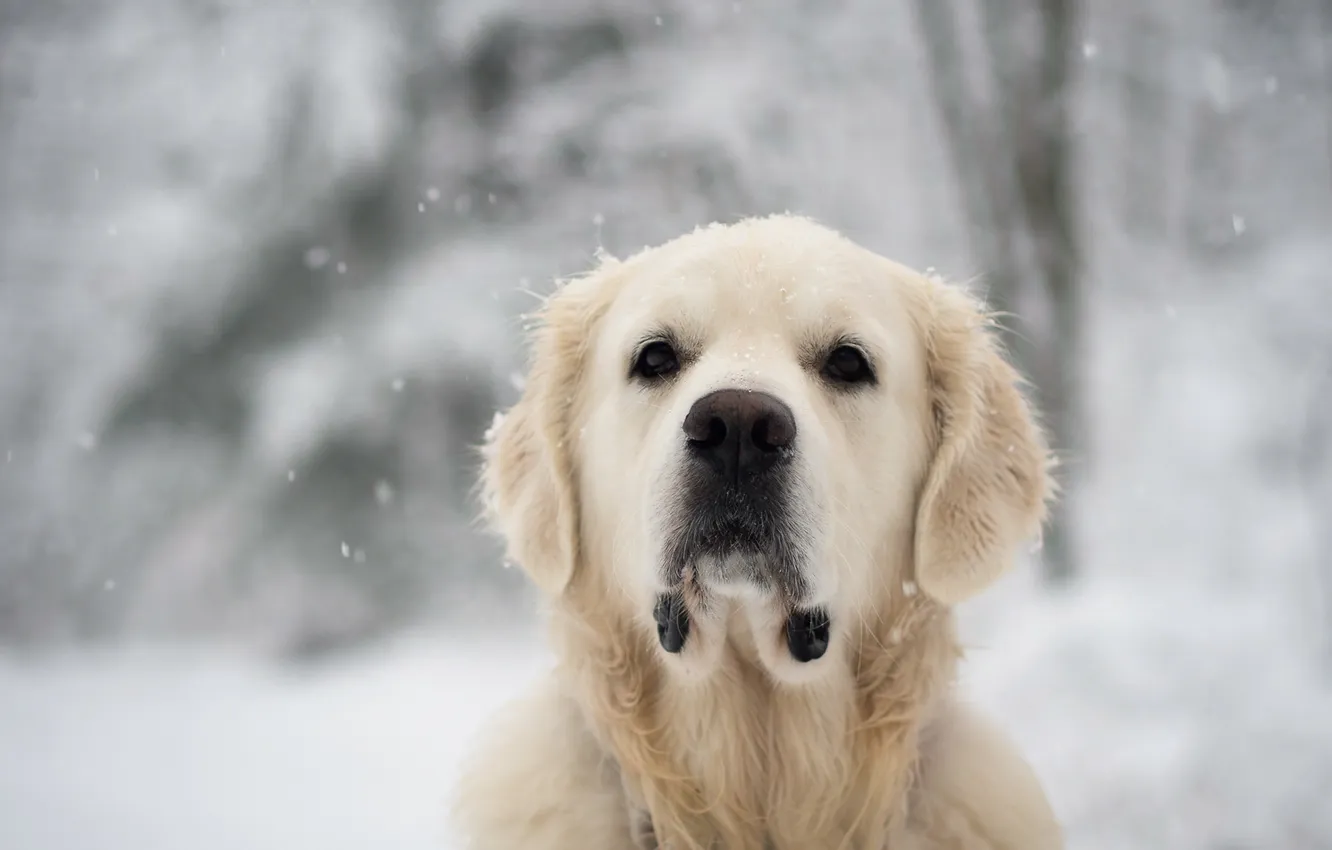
(764, 423)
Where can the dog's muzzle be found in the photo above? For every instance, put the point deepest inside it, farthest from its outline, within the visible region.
(733, 522)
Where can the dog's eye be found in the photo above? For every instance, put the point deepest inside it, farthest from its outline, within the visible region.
(655, 361)
(847, 365)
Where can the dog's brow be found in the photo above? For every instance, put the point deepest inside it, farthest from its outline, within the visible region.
(654, 334)
(815, 346)
(686, 345)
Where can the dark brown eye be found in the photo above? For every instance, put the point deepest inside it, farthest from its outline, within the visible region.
(655, 361)
(847, 365)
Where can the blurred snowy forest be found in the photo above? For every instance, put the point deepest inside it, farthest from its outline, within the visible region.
(262, 265)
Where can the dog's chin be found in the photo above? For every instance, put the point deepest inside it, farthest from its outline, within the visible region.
(697, 626)
(731, 542)
(755, 598)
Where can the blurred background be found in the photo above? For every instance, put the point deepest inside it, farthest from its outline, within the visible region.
(262, 271)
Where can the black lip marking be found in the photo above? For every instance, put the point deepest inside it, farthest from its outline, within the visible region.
(672, 621)
(807, 634)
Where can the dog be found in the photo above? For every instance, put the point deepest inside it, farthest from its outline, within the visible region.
(751, 472)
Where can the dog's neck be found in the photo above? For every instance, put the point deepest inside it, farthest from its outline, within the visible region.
(735, 760)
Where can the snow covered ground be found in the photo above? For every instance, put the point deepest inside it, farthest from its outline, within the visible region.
(165, 750)
(1151, 729)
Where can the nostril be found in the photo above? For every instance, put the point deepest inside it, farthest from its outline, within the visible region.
(716, 433)
(708, 434)
(762, 435)
(772, 433)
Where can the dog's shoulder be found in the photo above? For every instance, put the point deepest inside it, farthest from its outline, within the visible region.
(976, 790)
(537, 779)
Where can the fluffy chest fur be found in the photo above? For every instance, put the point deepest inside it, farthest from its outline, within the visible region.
(735, 761)
(777, 765)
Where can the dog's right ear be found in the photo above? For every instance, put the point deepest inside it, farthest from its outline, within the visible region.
(529, 479)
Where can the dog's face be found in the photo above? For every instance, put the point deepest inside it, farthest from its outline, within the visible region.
(756, 430)
(745, 426)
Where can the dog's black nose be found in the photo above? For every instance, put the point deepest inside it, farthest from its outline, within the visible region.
(739, 432)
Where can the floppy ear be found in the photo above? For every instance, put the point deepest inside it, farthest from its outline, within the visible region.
(987, 485)
(529, 475)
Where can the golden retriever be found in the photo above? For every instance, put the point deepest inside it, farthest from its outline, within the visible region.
(751, 472)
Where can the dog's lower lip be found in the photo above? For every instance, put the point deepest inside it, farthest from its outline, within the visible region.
(807, 634)
(672, 622)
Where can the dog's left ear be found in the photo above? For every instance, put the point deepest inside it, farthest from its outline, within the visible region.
(988, 483)
(529, 476)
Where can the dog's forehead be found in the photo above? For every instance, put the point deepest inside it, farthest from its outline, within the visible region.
(757, 288)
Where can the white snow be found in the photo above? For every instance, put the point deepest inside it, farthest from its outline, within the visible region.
(164, 750)
(317, 257)
(1159, 720)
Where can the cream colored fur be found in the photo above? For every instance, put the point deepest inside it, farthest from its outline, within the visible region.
(915, 495)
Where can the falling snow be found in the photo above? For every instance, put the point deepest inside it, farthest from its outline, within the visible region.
(317, 257)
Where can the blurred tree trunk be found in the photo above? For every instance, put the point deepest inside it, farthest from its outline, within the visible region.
(1324, 24)
(1318, 437)
(987, 193)
(1210, 189)
(1046, 175)
(1146, 122)
(1017, 176)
